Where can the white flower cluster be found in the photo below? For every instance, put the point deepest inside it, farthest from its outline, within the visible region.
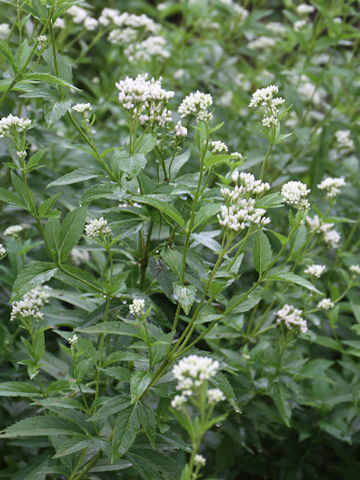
(149, 48)
(82, 107)
(145, 99)
(97, 227)
(291, 318)
(218, 147)
(299, 25)
(41, 39)
(261, 43)
(59, 23)
(80, 15)
(304, 9)
(125, 35)
(295, 193)
(266, 100)
(276, 27)
(125, 19)
(239, 10)
(331, 236)
(191, 372)
(332, 185)
(242, 211)
(12, 122)
(325, 304)
(14, 230)
(355, 269)
(4, 29)
(180, 130)
(73, 340)
(307, 89)
(199, 460)
(91, 24)
(2, 250)
(344, 140)
(137, 307)
(79, 256)
(29, 306)
(197, 104)
(315, 270)
(215, 395)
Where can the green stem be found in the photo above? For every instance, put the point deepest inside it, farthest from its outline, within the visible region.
(102, 346)
(262, 172)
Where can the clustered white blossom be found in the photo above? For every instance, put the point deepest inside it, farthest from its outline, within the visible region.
(332, 185)
(307, 89)
(315, 270)
(41, 39)
(144, 51)
(180, 130)
(21, 154)
(137, 307)
(82, 107)
(343, 139)
(73, 340)
(355, 269)
(79, 256)
(125, 35)
(291, 318)
(299, 25)
(78, 14)
(59, 23)
(29, 306)
(295, 193)
(240, 210)
(97, 227)
(191, 372)
(331, 236)
(14, 230)
(266, 100)
(304, 9)
(7, 124)
(2, 250)
(197, 104)
(276, 27)
(199, 460)
(325, 304)
(215, 395)
(125, 19)
(4, 29)
(145, 99)
(91, 24)
(261, 43)
(239, 10)
(218, 147)
(237, 156)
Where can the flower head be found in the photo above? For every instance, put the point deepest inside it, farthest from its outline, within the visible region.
(197, 104)
(192, 371)
(29, 306)
(137, 307)
(12, 123)
(14, 230)
(218, 147)
(315, 270)
(180, 130)
(2, 251)
(344, 140)
(325, 304)
(79, 256)
(355, 269)
(73, 340)
(97, 227)
(215, 395)
(199, 460)
(82, 107)
(265, 100)
(332, 186)
(292, 319)
(295, 193)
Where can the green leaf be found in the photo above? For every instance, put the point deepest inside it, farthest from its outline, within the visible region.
(164, 207)
(21, 191)
(54, 112)
(31, 276)
(47, 78)
(293, 278)
(174, 259)
(114, 328)
(18, 389)
(125, 431)
(71, 231)
(280, 399)
(138, 384)
(131, 165)
(185, 295)
(9, 197)
(221, 382)
(147, 420)
(262, 252)
(46, 206)
(247, 304)
(218, 159)
(42, 425)
(109, 190)
(34, 160)
(145, 144)
(6, 52)
(110, 406)
(76, 176)
(153, 465)
(52, 234)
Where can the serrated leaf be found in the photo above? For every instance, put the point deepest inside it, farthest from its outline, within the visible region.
(185, 295)
(54, 112)
(76, 176)
(280, 399)
(31, 276)
(42, 425)
(293, 278)
(71, 231)
(164, 207)
(262, 252)
(138, 383)
(18, 389)
(125, 431)
(145, 144)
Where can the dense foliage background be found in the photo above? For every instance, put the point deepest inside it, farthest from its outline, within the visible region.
(87, 387)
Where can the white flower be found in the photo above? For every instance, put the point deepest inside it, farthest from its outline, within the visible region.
(29, 306)
(304, 9)
(79, 256)
(343, 139)
(21, 154)
(14, 230)
(125, 19)
(331, 237)
(355, 269)
(315, 270)
(12, 122)
(332, 185)
(337, 20)
(41, 40)
(97, 227)
(78, 14)
(145, 100)
(59, 23)
(2, 250)
(137, 307)
(215, 395)
(276, 27)
(199, 460)
(265, 99)
(191, 372)
(121, 36)
(309, 91)
(197, 105)
(73, 340)
(178, 401)
(291, 318)
(107, 16)
(261, 43)
(295, 193)
(218, 147)
(90, 24)
(82, 107)
(180, 130)
(146, 50)
(325, 304)
(236, 156)
(4, 29)
(299, 25)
